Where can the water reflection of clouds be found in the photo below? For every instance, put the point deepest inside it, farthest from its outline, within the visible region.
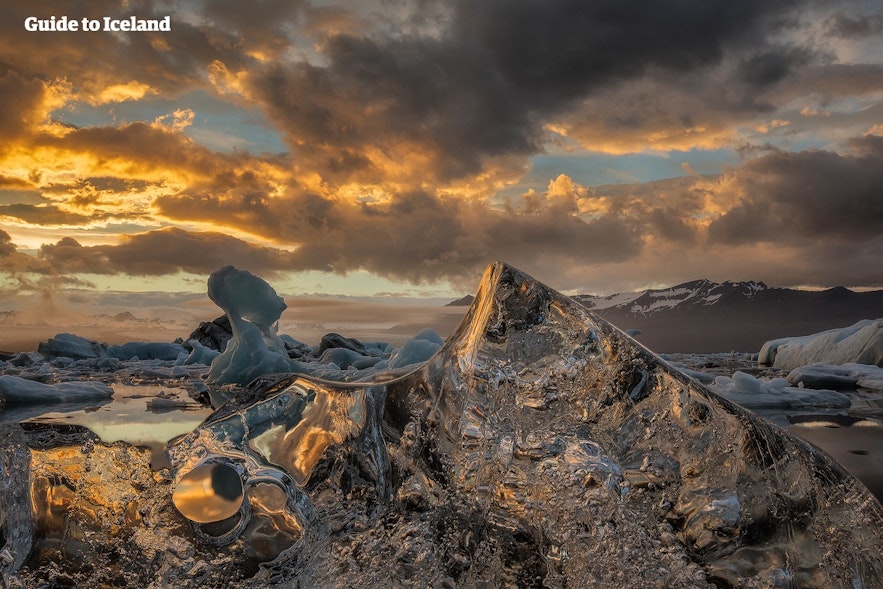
(127, 417)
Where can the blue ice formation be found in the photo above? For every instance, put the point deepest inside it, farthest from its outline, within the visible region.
(256, 349)
(253, 308)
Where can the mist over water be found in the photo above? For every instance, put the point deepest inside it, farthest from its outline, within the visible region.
(25, 323)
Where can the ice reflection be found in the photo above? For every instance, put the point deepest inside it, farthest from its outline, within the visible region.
(271, 448)
(209, 493)
(290, 429)
(86, 491)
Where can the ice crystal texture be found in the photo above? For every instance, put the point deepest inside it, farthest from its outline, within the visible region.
(540, 447)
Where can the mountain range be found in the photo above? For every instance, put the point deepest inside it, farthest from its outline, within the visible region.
(706, 316)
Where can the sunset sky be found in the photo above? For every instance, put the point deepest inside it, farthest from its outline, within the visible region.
(395, 147)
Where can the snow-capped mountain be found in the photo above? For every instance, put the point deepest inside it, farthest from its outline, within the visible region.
(690, 294)
(706, 316)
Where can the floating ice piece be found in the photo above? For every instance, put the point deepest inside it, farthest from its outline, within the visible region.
(346, 358)
(20, 391)
(702, 377)
(200, 354)
(146, 351)
(419, 348)
(861, 343)
(26, 359)
(72, 346)
(846, 376)
(334, 341)
(755, 393)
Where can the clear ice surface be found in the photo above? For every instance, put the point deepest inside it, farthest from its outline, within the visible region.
(539, 447)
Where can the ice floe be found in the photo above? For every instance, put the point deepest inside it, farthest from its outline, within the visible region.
(860, 343)
(845, 376)
(755, 393)
(15, 390)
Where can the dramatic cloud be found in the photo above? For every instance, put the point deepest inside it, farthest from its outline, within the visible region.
(488, 85)
(808, 196)
(164, 252)
(418, 140)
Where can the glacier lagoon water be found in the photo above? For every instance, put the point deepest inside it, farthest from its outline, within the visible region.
(539, 448)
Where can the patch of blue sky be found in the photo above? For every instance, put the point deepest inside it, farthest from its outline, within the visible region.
(597, 169)
(218, 125)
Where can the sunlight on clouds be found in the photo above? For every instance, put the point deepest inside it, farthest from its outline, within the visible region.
(766, 127)
(133, 90)
(414, 142)
(718, 194)
(593, 136)
(57, 165)
(810, 111)
(224, 81)
(497, 174)
(178, 120)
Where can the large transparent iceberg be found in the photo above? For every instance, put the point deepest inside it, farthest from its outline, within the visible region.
(540, 447)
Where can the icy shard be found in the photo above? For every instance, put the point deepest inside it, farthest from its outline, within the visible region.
(540, 447)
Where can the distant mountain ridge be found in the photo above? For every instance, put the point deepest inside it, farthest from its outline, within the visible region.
(706, 316)
(697, 292)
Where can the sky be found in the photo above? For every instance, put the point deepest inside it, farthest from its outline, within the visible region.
(394, 148)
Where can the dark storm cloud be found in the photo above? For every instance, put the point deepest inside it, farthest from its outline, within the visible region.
(804, 197)
(383, 92)
(164, 251)
(851, 26)
(555, 51)
(488, 83)
(15, 184)
(14, 263)
(765, 68)
(267, 23)
(417, 236)
(92, 62)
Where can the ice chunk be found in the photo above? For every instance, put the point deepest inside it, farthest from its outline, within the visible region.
(627, 474)
(861, 343)
(253, 309)
(213, 334)
(69, 345)
(345, 357)
(19, 391)
(755, 393)
(247, 357)
(200, 354)
(337, 341)
(846, 376)
(147, 351)
(419, 348)
(242, 295)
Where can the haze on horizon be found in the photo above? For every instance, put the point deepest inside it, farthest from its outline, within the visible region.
(395, 148)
